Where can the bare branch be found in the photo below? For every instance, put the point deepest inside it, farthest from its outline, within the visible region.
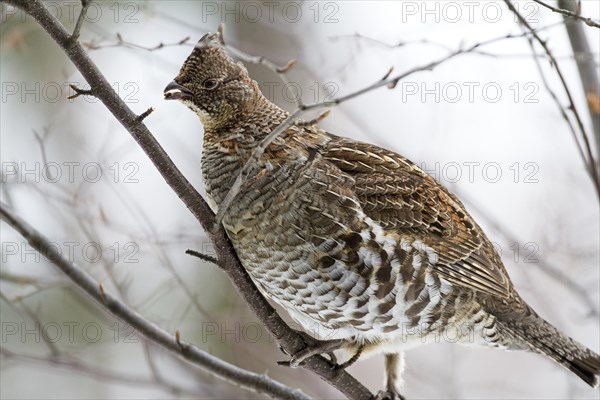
(40, 141)
(588, 69)
(250, 380)
(84, 6)
(143, 115)
(20, 279)
(399, 44)
(424, 41)
(589, 160)
(123, 43)
(569, 13)
(315, 120)
(202, 256)
(79, 92)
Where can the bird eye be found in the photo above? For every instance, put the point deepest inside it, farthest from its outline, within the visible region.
(210, 84)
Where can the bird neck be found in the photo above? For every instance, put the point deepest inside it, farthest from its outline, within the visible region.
(227, 148)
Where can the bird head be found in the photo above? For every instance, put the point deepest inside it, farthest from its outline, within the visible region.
(214, 86)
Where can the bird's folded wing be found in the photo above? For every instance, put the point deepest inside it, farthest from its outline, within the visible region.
(400, 196)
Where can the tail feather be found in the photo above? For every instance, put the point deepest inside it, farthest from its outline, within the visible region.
(541, 337)
(585, 366)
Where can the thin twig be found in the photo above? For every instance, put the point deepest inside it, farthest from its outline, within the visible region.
(568, 13)
(589, 161)
(79, 92)
(315, 120)
(357, 36)
(143, 115)
(84, 6)
(202, 256)
(21, 279)
(40, 141)
(123, 43)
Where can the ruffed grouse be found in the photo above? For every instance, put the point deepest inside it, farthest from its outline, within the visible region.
(354, 241)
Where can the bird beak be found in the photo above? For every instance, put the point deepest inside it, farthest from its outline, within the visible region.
(174, 91)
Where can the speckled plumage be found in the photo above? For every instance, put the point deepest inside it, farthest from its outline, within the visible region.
(353, 240)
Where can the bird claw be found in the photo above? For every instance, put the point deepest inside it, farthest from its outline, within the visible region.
(283, 351)
(387, 395)
(313, 347)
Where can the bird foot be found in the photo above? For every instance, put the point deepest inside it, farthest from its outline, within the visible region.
(387, 395)
(313, 347)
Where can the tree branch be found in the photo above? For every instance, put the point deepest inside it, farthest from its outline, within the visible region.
(260, 383)
(290, 340)
(202, 256)
(568, 12)
(123, 43)
(84, 6)
(588, 71)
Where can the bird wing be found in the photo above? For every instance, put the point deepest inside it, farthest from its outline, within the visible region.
(400, 196)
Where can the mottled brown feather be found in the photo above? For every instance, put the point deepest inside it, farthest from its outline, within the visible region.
(399, 195)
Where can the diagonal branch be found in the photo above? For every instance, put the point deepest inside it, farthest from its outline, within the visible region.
(568, 13)
(258, 382)
(290, 340)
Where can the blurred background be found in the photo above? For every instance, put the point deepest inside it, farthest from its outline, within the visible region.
(483, 124)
